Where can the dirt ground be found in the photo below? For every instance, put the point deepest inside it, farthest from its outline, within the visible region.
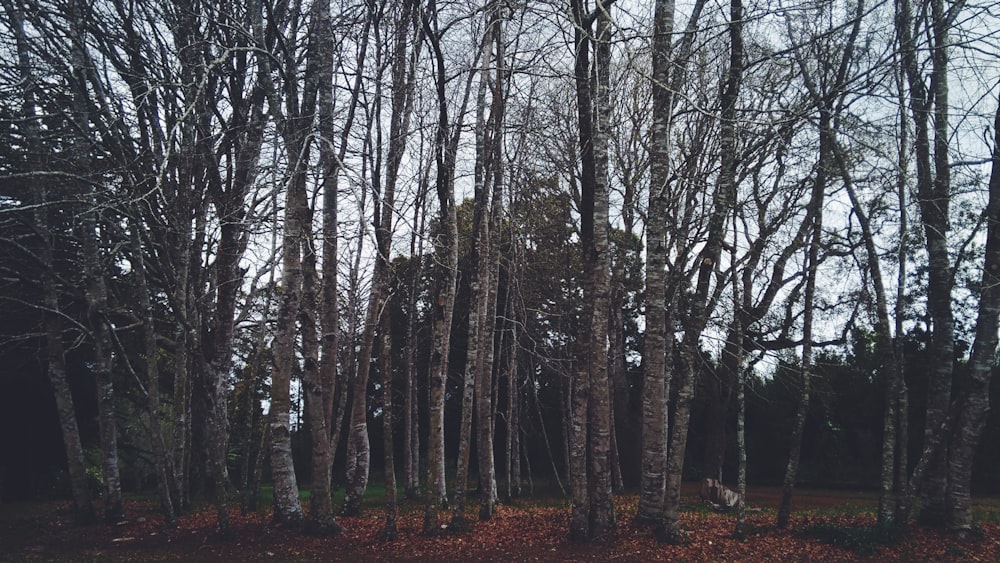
(522, 531)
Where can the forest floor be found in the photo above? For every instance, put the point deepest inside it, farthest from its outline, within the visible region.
(826, 526)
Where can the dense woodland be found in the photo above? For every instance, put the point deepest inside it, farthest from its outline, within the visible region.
(473, 249)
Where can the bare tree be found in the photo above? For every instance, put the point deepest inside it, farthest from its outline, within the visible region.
(708, 267)
(975, 401)
(593, 513)
(933, 177)
(667, 77)
(83, 509)
(358, 446)
(447, 135)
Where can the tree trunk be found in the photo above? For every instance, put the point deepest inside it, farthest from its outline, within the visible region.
(816, 212)
(96, 293)
(346, 376)
(83, 508)
(446, 248)
(659, 336)
(252, 383)
(358, 446)
(97, 301)
(602, 516)
(832, 156)
(972, 420)
(162, 462)
(620, 421)
(321, 519)
(736, 335)
(443, 312)
(741, 448)
(287, 509)
(347, 379)
(593, 514)
(579, 438)
(933, 196)
(902, 253)
(411, 406)
(472, 380)
(487, 382)
(512, 462)
(385, 366)
(722, 202)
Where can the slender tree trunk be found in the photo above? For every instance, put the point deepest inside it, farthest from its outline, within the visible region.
(187, 337)
(337, 380)
(385, 366)
(182, 415)
(97, 300)
(602, 516)
(321, 519)
(579, 438)
(358, 462)
(287, 509)
(620, 421)
(472, 379)
(816, 211)
(511, 454)
(935, 213)
(892, 371)
(446, 248)
(722, 202)
(251, 386)
(443, 312)
(163, 465)
(659, 339)
(972, 419)
(319, 316)
(593, 514)
(346, 375)
(933, 197)
(487, 382)
(902, 252)
(83, 508)
(257, 473)
(349, 373)
(96, 293)
(411, 410)
(358, 446)
(791, 470)
(741, 446)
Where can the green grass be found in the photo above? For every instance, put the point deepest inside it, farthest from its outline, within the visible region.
(986, 509)
(864, 540)
(845, 509)
(986, 515)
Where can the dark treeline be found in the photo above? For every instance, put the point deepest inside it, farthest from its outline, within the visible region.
(480, 250)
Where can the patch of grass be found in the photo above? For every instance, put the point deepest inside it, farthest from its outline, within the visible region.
(865, 540)
(986, 513)
(845, 509)
(697, 508)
